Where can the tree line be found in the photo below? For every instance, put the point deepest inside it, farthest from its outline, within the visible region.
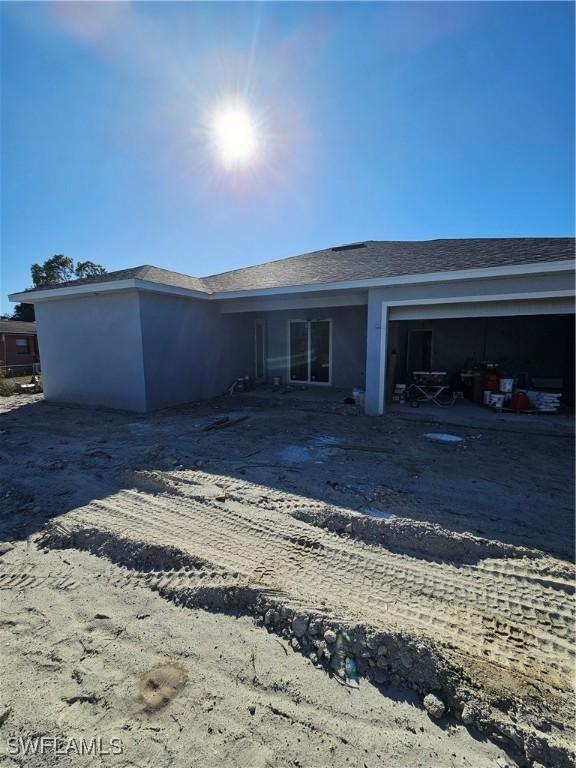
(54, 271)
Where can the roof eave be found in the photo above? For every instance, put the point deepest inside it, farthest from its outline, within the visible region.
(88, 289)
(70, 291)
(544, 267)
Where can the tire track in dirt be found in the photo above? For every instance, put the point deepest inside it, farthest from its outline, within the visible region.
(483, 614)
(505, 624)
(24, 580)
(399, 535)
(527, 575)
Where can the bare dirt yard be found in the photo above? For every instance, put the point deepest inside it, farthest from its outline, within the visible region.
(282, 581)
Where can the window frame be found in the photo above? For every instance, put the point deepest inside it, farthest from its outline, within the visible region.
(19, 350)
(260, 323)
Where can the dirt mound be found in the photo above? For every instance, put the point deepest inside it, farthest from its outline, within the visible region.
(160, 685)
(403, 536)
(491, 639)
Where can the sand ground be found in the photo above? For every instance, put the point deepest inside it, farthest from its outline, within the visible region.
(286, 589)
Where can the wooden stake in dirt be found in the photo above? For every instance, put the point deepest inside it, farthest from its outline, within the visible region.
(225, 421)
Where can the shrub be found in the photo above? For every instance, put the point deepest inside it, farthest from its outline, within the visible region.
(6, 387)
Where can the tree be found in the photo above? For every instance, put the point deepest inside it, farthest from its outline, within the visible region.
(55, 271)
(88, 269)
(61, 269)
(58, 269)
(24, 312)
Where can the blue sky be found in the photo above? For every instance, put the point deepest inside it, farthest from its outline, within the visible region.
(377, 121)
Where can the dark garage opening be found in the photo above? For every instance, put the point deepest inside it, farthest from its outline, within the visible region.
(536, 350)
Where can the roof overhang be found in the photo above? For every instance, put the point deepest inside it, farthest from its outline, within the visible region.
(94, 289)
(75, 291)
(428, 277)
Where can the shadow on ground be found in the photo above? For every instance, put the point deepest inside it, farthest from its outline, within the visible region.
(508, 481)
(512, 486)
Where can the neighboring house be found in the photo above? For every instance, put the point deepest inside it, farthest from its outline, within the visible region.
(18, 348)
(145, 338)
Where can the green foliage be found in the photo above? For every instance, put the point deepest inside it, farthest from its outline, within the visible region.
(58, 269)
(6, 386)
(55, 271)
(61, 269)
(24, 312)
(88, 269)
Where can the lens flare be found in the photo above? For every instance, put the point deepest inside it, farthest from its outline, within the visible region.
(234, 135)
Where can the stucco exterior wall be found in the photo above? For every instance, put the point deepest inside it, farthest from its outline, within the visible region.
(191, 350)
(348, 342)
(92, 350)
(476, 289)
(141, 350)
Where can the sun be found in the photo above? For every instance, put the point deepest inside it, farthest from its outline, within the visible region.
(234, 135)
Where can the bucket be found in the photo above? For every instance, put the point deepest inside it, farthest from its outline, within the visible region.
(519, 401)
(358, 396)
(507, 385)
(496, 400)
(486, 397)
(276, 381)
(492, 382)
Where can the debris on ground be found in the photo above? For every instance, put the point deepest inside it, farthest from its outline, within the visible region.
(443, 437)
(434, 706)
(226, 421)
(162, 568)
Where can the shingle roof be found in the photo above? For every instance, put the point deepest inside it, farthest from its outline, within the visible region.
(377, 258)
(361, 261)
(17, 326)
(144, 272)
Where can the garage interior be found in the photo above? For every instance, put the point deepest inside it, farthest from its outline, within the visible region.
(535, 351)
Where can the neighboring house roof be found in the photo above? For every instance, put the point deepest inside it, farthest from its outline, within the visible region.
(17, 326)
(369, 260)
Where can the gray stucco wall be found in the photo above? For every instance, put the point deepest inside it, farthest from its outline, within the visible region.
(191, 350)
(91, 350)
(348, 342)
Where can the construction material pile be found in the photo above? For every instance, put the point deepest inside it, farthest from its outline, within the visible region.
(545, 402)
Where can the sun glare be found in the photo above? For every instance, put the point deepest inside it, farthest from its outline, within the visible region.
(234, 135)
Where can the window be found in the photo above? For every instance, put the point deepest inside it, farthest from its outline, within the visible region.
(22, 346)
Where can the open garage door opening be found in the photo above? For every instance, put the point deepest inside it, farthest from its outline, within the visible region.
(480, 356)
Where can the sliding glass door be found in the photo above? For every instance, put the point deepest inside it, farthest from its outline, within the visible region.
(298, 350)
(320, 351)
(310, 350)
